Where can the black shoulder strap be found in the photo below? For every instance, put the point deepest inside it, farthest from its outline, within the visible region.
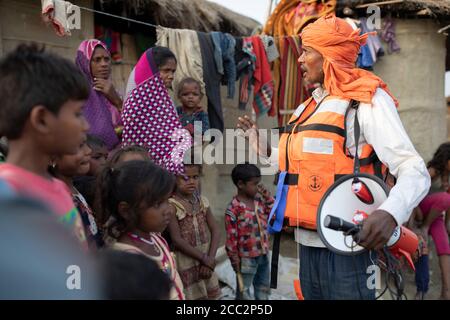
(274, 263)
(355, 104)
(372, 158)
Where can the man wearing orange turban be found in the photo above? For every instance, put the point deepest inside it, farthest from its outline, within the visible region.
(339, 45)
(319, 144)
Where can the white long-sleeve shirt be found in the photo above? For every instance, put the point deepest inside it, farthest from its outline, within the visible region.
(381, 127)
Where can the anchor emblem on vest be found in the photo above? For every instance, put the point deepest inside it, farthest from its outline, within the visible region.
(315, 183)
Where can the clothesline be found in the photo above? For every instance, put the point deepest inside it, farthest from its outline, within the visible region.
(150, 24)
(119, 17)
(157, 26)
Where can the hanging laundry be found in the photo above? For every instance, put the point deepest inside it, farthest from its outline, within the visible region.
(292, 92)
(56, 13)
(116, 47)
(388, 35)
(245, 59)
(186, 47)
(143, 41)
(272, 55)
(224, 45)
(216, 37)
(288, 19)
(276, 75)
(262, 80)
(372, 49)
(276, 24)
(373, 41)
(365, 60)
(289, 72)
(353, 22)
(290, 16)
(212, 79)
(113, 41)
(270, 48)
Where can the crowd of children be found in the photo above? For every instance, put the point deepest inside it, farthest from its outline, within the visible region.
(118, 203)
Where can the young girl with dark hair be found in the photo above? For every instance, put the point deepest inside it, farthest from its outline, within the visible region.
(132, 202)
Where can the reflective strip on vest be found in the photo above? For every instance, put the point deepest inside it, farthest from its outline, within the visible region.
(318, 145)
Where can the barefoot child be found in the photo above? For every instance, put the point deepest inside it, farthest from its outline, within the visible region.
(133, 206)
(195, 236)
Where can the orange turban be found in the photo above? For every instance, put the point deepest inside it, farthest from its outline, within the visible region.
(339, 45)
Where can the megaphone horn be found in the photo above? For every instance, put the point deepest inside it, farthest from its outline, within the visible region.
(351, 198)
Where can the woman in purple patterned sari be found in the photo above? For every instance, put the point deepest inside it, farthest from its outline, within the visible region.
(102, 109)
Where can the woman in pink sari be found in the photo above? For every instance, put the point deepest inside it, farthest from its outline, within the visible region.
(149, 115)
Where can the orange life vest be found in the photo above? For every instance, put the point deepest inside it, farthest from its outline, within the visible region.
(313, 152)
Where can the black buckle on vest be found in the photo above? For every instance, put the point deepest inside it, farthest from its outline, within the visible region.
(290, 180)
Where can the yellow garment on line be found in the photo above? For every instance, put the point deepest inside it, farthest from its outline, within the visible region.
(288, 19)
(290, 16)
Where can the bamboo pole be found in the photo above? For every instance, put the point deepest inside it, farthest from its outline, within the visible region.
(378, 3)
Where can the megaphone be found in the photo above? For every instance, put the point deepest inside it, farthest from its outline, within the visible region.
(343, 209)
(351, 198)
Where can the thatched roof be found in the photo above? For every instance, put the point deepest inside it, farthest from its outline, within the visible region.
(409, 8)
(198, 15)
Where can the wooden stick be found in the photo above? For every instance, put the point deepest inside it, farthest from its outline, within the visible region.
(378, 3)
(240, 282)
(443, 29)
